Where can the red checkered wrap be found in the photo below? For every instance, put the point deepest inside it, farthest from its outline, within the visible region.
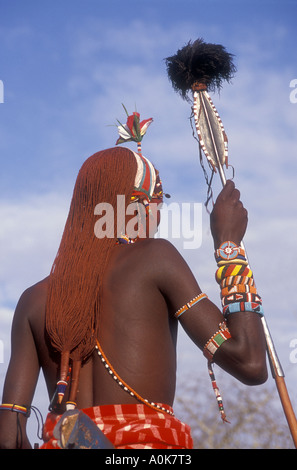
(130, 426)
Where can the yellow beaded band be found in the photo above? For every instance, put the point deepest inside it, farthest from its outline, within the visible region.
(230, 270)
(233, 261)
(17, 408)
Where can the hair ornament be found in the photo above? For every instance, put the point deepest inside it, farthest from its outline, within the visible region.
(133, 130)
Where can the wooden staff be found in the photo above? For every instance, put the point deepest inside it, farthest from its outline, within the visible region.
(196, 68)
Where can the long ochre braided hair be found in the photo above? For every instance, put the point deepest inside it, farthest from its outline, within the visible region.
(73, 302)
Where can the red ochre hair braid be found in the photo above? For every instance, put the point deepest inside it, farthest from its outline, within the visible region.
(73, 302)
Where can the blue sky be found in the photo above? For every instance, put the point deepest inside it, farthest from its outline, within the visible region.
(67, 67)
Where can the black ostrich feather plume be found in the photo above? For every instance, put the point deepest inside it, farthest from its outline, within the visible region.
(200, 62)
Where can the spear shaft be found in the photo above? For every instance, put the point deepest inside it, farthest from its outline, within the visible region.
(276, 368)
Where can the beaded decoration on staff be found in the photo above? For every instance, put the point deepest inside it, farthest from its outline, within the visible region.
(194, 70)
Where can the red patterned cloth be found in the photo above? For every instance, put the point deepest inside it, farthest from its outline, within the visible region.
(130, 426)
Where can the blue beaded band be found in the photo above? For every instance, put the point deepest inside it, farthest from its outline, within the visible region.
(243, 307)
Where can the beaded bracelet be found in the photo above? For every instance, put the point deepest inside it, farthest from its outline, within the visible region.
(244, 297)
(26, 411)
(238, 292)
(235, 280)
(216, 341)
(237, 307)
(212, 345)
(239, 288)
(229, 251)
(233, 270)
(190, 304)
(241, 261)
(17, 408)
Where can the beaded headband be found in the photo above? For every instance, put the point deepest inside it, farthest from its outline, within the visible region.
(145, 179)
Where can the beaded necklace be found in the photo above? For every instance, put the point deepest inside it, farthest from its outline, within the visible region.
(125, 240)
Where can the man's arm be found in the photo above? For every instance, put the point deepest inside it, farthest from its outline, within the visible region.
(21, 377)
(248, 346)
(244, 355)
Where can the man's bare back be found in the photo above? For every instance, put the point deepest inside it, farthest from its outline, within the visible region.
(137, 324)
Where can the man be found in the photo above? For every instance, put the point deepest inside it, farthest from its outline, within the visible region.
(110, 310)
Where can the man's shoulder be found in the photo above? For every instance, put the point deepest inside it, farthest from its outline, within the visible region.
(162, 252)
(34, 297)
(159, 247)
(166, 266)
(37, 289)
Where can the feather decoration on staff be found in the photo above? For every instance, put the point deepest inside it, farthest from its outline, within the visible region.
(200, 62)
(193, 70)
(197, 68)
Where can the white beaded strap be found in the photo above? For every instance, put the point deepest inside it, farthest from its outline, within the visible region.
(125, 386)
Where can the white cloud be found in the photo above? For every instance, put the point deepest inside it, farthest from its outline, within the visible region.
(29, 237)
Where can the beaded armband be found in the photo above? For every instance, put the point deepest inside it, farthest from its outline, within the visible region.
(238, 294)
(237, 307)
(25, 411)
(232, 298)
(216, 341)
(235, 280)
(212, 345)
(238, 290)
(190, 304)
(17, 408)
(232, 270)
